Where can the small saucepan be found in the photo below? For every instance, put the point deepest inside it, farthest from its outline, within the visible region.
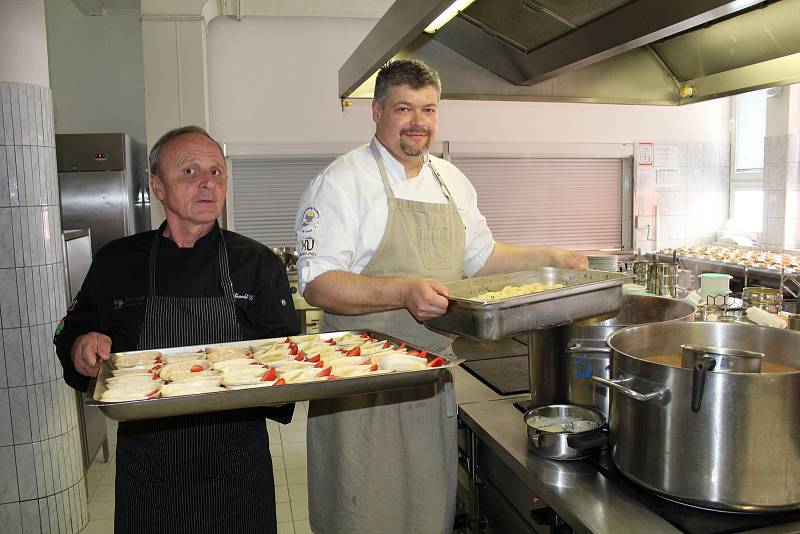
(565, 431)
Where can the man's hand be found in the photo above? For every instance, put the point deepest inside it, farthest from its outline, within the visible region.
(569, 259)
(425, 298)
(88, 352)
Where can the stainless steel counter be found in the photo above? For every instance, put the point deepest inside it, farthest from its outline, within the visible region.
(581, 496)
(575, 490)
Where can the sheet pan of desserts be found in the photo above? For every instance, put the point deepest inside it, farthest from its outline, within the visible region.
(196, 379)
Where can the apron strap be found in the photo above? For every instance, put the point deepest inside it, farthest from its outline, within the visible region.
(373, 147)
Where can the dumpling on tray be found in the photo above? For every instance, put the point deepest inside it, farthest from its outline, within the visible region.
(129, 392)
(188, 388)
(193, 366)
(183, 357)
(400, 362)
(149, 358)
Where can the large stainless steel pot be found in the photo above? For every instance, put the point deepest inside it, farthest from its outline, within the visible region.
(740, 449)
(564, 360)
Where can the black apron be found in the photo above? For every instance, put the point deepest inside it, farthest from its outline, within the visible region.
(204, 473)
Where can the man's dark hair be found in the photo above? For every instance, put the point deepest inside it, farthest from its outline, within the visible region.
(411, 72)
(154, 161)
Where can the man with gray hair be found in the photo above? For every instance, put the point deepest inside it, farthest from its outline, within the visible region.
(187, 283)
(379, 233)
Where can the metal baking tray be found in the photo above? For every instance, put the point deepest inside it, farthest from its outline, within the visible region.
(587, 294)
(268, 396)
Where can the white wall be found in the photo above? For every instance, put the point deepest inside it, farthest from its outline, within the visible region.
(274, 80)
(23, 45)
(96, 70)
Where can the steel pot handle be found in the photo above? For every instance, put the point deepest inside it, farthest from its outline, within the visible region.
(701, 367)
(659, 394)
(588, 350)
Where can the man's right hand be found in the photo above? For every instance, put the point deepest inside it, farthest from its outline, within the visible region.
(426, 298)
(89, 351)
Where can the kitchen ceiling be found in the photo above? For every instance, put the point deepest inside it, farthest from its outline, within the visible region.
(621, 51)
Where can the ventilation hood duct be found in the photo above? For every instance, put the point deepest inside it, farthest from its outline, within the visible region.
(666, 52)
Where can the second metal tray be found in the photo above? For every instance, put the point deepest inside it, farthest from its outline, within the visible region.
(267, 396)
(586, 294)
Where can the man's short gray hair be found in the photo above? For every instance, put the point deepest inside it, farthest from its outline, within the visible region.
(154, 160)
(411, 72)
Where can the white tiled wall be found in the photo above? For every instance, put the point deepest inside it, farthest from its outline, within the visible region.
(686, 203)
(781, 221)
(41, 468)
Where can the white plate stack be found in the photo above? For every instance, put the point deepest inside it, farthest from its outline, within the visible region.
(603, 263)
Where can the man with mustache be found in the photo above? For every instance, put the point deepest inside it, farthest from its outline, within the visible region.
(390, 224)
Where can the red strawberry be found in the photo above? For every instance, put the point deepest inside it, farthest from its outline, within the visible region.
(155, 376)
(319, 364)
(374, 367)
(326, 371)
(269, 375)
(280, 382)
(300, 357)
(152, 394)
(155, 368)
(254, 363)
(365, 335)
(157, 359)
(355, 351)
(292, 349)
(436, 362)
(314, 359)
(423, 354)
(387, 345)
(197, 368)
(287, 340)
(402, 346)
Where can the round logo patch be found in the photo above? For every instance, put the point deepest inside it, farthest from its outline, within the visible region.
(310, 220)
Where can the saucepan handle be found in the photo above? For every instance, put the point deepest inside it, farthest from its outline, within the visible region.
(577, 349)
(659, 394)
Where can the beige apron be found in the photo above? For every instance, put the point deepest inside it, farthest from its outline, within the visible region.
(387, 462)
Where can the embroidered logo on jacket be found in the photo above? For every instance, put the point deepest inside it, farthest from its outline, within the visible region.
(310, 220)
(244, 296)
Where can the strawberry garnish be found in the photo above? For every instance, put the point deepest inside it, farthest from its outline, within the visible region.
(157, 359)
(292, 349)
(374, 367)
(423, 354)
(152, 394)
(314, 359)
(287, 340)
(387, 345)
(269, 375)
(402, 346)
(436, 362)
(365, 335)
(319, 364)
(300, 357)
(197, 368)
(280, 382)
(355, 351)
(326, 372)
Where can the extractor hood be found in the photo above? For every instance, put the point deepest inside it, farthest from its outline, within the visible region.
(667, 52)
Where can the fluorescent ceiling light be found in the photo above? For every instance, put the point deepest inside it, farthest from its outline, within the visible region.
(447, 14)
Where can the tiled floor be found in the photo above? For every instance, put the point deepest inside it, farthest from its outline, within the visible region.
(288, 448)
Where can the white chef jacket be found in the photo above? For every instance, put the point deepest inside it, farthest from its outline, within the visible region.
(342, 214)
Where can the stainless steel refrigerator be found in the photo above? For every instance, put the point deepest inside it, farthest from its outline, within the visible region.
(103, 184)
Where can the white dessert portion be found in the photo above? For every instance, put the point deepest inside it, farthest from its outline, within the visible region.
(167, 371)
(188, 388)
(141, 358)
(293, 360)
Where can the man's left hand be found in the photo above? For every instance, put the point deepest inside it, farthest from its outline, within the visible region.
(569, 259)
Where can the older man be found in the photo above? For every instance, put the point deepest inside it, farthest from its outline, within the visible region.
(379, 231)
(187, 283)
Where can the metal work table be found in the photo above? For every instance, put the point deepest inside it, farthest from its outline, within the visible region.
(575, 490)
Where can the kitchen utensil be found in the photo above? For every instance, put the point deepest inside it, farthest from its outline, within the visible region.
(562, 373)
(767, 298)
(264, 396)
(586, 294)
(738, 451)
(565, 431)
(713, 284)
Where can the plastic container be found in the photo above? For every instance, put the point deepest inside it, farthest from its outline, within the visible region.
(712, 284)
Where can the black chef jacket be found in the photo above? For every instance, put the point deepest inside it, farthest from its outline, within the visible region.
(112, 298)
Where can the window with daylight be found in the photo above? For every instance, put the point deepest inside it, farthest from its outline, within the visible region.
(749, 112)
